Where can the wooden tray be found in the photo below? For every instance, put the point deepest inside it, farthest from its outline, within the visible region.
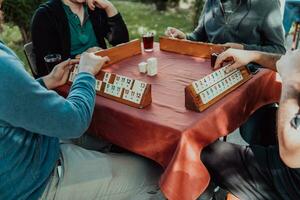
(202, 97)
(106, 80)
(121, 52)
(191, 48)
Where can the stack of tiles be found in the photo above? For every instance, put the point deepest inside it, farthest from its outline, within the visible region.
(152, 66)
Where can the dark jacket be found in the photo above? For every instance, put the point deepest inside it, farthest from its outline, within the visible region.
(51, 33)
(256, 23)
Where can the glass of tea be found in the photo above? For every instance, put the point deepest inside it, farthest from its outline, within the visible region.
(51, 60)
(148, 40)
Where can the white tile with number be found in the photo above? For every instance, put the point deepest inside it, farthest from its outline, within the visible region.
(217, 89)
(139, 86)
(106, 77)
(98, 85)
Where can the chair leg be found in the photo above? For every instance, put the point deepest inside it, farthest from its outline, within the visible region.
(294, 44)
(297, 39)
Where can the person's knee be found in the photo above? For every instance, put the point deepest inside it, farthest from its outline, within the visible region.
(210, 154)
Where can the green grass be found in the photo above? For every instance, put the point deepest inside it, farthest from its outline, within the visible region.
(139, 18)
(11, 36)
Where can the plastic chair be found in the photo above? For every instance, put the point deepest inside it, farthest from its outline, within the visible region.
(28, 50)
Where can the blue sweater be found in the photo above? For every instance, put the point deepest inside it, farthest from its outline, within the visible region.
(32, 119)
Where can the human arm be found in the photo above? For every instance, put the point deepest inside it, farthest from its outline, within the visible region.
(242, 57)
(109, 8)
(199, 34)
(113, 26)
(28, 105)
(59, 75)
(175, 33)
(288, 136)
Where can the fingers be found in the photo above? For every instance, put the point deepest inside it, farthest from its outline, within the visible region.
(105, 59)
(221, 58)
(74, 61)
(91, 4)
(232, 67)
(172, 32)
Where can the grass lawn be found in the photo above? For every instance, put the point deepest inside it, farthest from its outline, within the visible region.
(139, 18)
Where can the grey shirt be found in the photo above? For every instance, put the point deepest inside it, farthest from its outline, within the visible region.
(257, 24)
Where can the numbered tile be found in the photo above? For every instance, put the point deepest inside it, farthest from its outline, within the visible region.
(106, 77)
(203, 97)
(139, 86)
(116, 91)
(196, 87)
(120, 81)
(98, 85)
(128, 83)
(126, 95)
(108, 89)
(71, 76)
(137, 98)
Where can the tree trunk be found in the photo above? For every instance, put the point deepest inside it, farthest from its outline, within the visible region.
(161, 5)
(25, 35)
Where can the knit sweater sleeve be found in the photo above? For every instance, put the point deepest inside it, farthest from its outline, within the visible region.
(115, 29)
(24, 103)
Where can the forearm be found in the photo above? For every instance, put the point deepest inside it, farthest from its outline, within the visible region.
(266, 60)
(276, 48)
(111, 10)
(288, 136)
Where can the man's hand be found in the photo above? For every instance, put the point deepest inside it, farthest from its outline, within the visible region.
(59, 75)
(289, 66)
(234, 45)
(239, 58)
(175, 33)
(103, 4)
(91, 63)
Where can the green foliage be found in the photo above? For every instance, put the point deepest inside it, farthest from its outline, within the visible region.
(11, 36)
(198, 5)
(138, 16)
(19, 12)
(141, 17)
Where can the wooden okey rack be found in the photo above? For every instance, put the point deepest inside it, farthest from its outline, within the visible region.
(121, 52)
(120, 88)
(191, 48)
(205, 92)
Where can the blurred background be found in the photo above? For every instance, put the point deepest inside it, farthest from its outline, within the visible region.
(139, 15)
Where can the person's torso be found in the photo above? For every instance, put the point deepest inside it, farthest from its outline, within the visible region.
(242, 24)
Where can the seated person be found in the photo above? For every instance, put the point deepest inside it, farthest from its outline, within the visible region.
(70, 27)
(241, 24)
(257, 172)
(33, 118)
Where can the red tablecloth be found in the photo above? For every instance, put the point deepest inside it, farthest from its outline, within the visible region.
(166, 131)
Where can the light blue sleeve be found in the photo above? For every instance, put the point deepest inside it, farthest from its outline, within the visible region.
(25, 103)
